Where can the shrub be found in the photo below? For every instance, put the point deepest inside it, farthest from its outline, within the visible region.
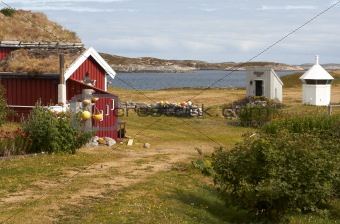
(203, 163)
(256, 115)
(270, 175)
(255, 111)
(322, 123)
(7, 12)
(50, 133)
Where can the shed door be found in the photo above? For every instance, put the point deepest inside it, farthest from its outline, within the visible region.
(258, 87)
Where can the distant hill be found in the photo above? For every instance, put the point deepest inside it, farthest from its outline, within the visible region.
(148, 64)
(27, 26)
(329, 67)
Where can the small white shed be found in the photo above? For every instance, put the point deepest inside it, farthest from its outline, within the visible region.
(263, 81)
(316, 85)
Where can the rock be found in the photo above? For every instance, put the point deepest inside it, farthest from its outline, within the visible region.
(147, 145)
(95, 139)
(109, 141)
(93, 144)
(130, 142)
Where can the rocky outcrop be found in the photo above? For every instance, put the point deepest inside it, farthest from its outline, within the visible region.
(147, 64)
(151, 68)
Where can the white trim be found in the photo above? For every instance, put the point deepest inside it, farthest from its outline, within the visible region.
(105, 82)
(277, 77)
(80, 60)
(19, 106)
(102, 112)
(107, 109)
(113, 104)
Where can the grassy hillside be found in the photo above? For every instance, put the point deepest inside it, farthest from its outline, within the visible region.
(27, 26)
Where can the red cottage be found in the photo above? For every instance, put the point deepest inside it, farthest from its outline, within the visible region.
(88, 71)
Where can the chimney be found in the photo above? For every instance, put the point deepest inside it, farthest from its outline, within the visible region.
(316, 59)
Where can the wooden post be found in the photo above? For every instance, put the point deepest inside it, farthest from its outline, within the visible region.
(61, 69)
(329, 109)
(61, 86)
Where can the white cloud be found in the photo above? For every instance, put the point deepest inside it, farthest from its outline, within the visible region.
(215, 30)
(208, 10)
(287, 7)
(249, 45)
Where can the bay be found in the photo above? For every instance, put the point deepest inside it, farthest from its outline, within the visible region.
(196, 79)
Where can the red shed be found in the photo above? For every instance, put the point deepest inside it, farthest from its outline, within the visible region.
(88, 71)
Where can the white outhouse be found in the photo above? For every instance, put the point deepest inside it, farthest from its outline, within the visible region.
(263, 81)
(316, 85)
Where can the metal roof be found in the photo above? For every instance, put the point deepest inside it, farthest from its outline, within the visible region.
(316, 72)
(94, 54)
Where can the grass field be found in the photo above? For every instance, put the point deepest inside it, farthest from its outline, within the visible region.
(131, 184)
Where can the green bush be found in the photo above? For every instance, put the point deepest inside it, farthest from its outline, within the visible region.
(203, 163)
(51, 133)
(257, 116)
(270, 175)
(7, 11)
(255, 111)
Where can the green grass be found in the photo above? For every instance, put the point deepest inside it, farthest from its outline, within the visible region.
(293, 80)
(178, 195)
(20, 173)
(169, 197)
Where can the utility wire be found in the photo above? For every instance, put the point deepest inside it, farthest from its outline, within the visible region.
(234, 68)
(182, 120)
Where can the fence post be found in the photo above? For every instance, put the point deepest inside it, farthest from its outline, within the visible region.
(329, 109)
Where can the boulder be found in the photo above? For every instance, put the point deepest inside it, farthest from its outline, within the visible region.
(95, 139)
(147, 145)
(109, 141)
(93, 144)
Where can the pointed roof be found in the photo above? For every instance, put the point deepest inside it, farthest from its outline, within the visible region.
(94, 54)
(316, 72)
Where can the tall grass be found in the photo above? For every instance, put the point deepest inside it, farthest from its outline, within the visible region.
(29, 26)
(300, 124)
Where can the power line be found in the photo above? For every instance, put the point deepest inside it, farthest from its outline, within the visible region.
(233, 69)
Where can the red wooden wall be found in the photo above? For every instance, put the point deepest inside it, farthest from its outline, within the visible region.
(109, 124)
(95, 70)
(22, 93)
(4, 51)
(25, 91)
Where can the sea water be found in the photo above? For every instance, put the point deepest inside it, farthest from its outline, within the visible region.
(196, 79)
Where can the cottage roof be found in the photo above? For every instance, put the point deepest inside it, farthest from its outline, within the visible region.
(316, 72)
(43, 61)
(38, 60)
(94, 54)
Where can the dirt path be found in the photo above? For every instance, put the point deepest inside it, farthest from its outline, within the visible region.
(76, 187)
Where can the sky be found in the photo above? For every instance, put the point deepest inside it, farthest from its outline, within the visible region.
(291, 32)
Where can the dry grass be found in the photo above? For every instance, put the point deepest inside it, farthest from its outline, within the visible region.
(130, 184)
(208, 97)
(28, 26)
(37, 61)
